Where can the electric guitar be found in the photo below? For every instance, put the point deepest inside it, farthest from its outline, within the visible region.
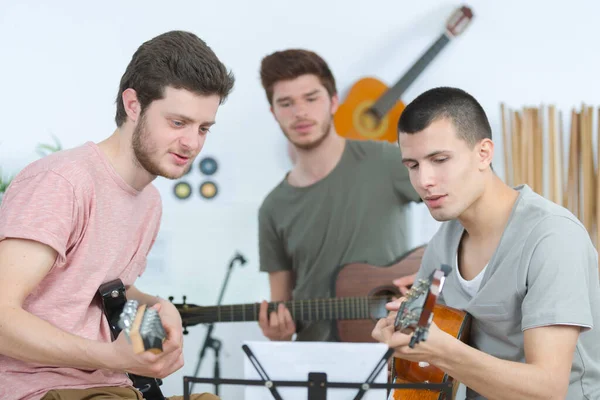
(414, 316)
(371, 110)
(142, 327)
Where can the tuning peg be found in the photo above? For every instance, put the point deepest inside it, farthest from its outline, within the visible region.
(185, 331)
(171, 298)
(184, 297)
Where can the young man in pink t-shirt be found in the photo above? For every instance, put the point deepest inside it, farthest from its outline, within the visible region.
(85, 216)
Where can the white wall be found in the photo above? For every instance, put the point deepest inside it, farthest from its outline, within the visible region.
(61, 62)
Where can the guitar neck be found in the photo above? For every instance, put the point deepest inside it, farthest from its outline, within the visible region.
(391, 96)
(301, 310)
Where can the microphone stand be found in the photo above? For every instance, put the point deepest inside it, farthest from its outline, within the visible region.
(209, 341)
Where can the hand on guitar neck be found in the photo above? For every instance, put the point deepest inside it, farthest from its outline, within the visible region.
(418, 341)
(277, 325)
(148, 345)
(386, 332)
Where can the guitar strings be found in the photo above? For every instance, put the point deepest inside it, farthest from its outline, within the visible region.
(308, 309)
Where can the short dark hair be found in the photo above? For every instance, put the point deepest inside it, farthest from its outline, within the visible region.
(292, 63)
(467, 115)
(178, 59)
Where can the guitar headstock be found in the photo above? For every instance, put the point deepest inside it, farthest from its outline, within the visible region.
(416, 311)
(185, 315)
(143, 327)
(459, 20)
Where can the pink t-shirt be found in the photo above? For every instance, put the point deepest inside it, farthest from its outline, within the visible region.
(102, 229)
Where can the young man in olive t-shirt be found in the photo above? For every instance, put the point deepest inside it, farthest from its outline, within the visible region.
(344, 200)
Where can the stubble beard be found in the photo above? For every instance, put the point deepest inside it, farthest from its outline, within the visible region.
(143, 151)
(325, 131)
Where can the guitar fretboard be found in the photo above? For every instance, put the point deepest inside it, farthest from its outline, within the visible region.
(391, 96)
(303, 310)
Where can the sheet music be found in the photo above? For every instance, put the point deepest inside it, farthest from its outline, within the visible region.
(292, 361)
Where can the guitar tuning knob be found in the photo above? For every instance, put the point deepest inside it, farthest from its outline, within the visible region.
(185, 331)
(184, 297)
(171, 298)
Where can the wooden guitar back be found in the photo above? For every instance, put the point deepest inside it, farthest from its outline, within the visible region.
(360, 279)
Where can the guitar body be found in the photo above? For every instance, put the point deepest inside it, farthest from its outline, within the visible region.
(454, 322)
(351, 122)
(360, 279)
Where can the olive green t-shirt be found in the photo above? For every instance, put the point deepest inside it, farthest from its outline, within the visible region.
(357, 213)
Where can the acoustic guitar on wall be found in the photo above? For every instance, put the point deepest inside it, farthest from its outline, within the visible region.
(372, 110)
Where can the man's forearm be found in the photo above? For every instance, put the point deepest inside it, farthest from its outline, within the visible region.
(497, 379)
(28, 338)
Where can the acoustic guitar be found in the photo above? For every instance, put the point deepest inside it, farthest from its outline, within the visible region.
(359, 291)
(372, 110)
(414, 316)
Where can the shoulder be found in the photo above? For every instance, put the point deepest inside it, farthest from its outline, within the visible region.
(273, 199)
(373, 148)
(70, 166)
(543, 218)
(153, 196)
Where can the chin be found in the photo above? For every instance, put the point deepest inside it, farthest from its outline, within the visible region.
(171, 173)
(441, 215)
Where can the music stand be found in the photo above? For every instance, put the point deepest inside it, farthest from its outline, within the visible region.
(317, 382)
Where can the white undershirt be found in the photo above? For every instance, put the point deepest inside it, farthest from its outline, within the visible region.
(472, 286)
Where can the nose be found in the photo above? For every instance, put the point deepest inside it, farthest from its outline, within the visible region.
(192, 141)
(300, 110)
(426, 176)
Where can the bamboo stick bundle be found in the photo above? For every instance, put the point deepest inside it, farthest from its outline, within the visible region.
(508, 171)
(571, 194)
(517, 174)
(588, 174)
(534, 142)
(552, 154)
(597, 199)
(529, 134)
(559, 162)
(538, 149)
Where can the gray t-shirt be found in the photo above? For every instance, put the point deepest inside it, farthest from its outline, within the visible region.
(544, 272)
(357, 213)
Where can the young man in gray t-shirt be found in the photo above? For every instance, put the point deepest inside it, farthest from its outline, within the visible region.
(523, 267)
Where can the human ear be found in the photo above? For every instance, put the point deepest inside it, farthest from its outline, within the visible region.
(131, 104)
(485, 153)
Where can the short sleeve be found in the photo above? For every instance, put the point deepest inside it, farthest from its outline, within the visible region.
(562, 266)
(272, 254)
(40, 208)
(392, 157)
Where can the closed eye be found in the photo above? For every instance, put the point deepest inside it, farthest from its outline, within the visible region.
(440, 160)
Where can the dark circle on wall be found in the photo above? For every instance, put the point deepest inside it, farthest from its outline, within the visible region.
(208, 166)
(182, 190)
(208, 189)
